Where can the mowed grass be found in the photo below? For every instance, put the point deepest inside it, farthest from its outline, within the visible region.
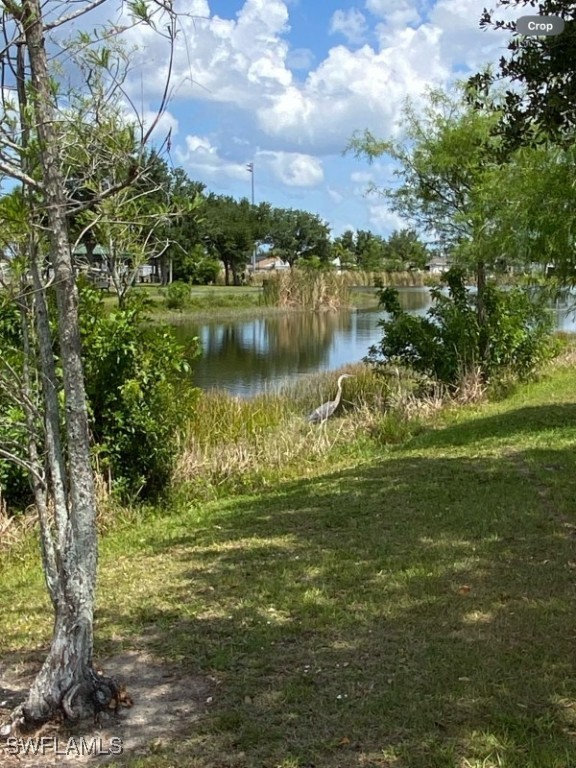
(413, 610)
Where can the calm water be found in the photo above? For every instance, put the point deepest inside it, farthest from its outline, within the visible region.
(247, 356)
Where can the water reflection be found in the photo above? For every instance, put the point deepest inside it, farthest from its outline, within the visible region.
(246, 357)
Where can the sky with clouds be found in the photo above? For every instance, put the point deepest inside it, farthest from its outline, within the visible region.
(283, 84)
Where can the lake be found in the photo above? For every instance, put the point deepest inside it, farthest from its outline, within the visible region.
(249, 356)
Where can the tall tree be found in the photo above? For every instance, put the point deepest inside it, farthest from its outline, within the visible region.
(297, 234)
(448, 151)
(229, 233)
(370, 251)
(33, 153)
(534, 191)
(404, 250)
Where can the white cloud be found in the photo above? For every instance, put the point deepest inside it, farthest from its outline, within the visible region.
(361, 177)
(300, 58)
(235, 77)
(351, 24)
(463, 42)
(355, 89)
(233, 61)
(395, 9)
(294, 169)
(383, 219)
(246, 64)
(397, 15)
(202, 157)
(334, 195)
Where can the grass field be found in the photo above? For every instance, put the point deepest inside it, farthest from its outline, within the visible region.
(416, 609)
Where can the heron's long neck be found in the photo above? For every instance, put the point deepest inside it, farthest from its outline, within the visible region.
(338, 396)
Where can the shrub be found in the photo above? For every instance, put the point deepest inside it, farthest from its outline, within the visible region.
(177, 295)
(138, 389)
(449, 344)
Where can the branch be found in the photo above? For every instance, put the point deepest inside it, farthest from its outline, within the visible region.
(24, 465)
(10, 170)
(72, 16)
(134, 175)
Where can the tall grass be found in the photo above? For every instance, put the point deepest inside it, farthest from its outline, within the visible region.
(406, 279)
(329, 290)
(305, 289)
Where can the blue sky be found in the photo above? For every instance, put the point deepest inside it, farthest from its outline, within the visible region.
(284, 83)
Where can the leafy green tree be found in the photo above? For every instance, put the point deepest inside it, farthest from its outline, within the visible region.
(138, 387)
(533, 192)
(404, 251)
(534, 197)
(370, 251)
(36, 118)
(198, 268)
(229, 234)
(296, 234)
(448, 152)
(344, 247)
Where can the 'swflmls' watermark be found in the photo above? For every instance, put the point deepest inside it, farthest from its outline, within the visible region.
(78, 746)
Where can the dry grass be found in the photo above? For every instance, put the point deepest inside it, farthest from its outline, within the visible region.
(238, 445)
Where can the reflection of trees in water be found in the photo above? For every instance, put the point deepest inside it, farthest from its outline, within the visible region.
(413, 300)
(269, 347)
(306, 329)
(247, 353)
(244, 353)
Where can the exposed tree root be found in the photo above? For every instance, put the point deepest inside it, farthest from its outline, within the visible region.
(97, 694)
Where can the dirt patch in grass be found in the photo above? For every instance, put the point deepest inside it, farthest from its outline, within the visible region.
(167, 706)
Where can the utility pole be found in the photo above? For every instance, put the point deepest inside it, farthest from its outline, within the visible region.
(250, 169)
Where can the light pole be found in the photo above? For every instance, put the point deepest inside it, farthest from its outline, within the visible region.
(250, 169)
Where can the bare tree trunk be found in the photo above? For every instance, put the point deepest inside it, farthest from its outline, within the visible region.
(66, 682)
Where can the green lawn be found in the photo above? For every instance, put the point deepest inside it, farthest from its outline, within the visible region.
(417, 610)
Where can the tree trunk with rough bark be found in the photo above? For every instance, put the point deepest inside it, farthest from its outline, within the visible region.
(66, 683)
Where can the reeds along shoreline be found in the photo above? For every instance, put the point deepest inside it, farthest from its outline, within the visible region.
(320, 291)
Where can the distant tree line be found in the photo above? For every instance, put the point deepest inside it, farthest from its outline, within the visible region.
(205, 231)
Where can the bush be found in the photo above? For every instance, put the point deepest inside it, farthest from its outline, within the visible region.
(138, 389)
(449, 344)
(177, 295)
(15, 487)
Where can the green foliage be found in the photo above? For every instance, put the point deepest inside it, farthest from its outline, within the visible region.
(177, 295)
(448, 151)
(14, 485)
(138, 388)
(196, 267)
(450, 344)
(230, 233)
(544, 68)
(404, 251)
(296, 234)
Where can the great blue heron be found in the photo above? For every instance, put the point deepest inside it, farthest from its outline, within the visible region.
(326, 410)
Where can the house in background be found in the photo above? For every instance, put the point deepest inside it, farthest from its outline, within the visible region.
(94, 264)
(266, 263)
(437, 264)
